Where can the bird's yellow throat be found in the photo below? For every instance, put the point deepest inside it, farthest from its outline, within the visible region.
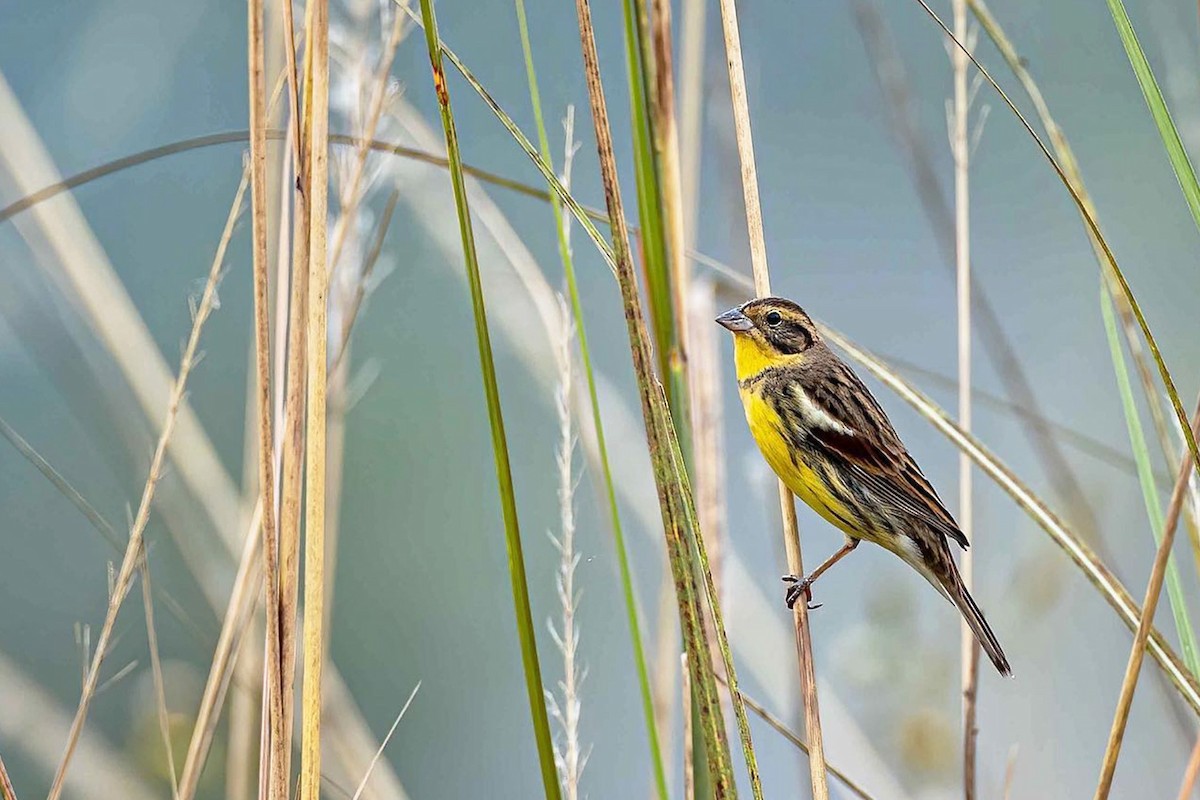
(751, 355)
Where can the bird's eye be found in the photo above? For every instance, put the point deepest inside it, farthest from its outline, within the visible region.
(774, 318)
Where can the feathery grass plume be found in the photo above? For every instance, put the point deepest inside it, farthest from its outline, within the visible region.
(516, 560)
(762, 288)
(1109, 293)
(569, 755)
(563, 228)
(1133, 668)
(124, 579)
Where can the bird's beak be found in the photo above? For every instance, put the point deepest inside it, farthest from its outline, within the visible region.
(734, 320)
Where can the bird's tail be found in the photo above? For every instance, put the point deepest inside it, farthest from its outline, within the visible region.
(974, 617)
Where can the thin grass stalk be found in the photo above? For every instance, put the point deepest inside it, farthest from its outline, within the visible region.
(362, 785)
(1112, 750)
(316, 114)
(7, 792)
(238, 612)
(1190, 772)
(1158, 109)
(1093, 226)
(780, 727)
(156, 671)
(960, 147)
(1093, 569)
(272, 665)
(657, 419)
(565, 255)
(762, 287)
(1145, 472)
(516, 559)
(124, 576)
(692, 34)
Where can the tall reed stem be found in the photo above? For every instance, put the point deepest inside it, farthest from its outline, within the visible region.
(762, 287)
(960, 146)
(317, 192)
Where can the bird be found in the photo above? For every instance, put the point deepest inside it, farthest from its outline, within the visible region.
(831, 443)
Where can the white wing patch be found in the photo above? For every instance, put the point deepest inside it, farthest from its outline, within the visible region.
(816, 417)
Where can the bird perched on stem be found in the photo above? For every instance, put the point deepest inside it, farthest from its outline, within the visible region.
(831, 443)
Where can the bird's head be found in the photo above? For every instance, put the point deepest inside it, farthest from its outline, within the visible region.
(768, 332)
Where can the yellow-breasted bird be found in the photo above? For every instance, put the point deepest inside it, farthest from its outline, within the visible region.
(831, 443)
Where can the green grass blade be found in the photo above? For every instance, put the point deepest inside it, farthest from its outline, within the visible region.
(564, 250)
(1145, 471)
(516, 559)
(638, 63)
(1158, 109)
(697, 542)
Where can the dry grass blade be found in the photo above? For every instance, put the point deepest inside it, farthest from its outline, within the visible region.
(7, 792)
(160, 692)
(316, 115)
(133, 549)
(242, 599)
(383, 745)
(1190, 772)
(516, 561)
(780, 727)
(1112, 750)
(762, 287)
(272, 676)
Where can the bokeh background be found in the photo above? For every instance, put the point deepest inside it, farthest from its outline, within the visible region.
(421, 588)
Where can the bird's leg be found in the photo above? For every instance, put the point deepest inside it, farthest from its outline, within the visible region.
(803, 586)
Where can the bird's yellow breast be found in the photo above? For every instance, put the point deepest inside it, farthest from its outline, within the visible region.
(799, 473)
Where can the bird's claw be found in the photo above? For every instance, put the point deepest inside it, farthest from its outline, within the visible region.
(799, 586)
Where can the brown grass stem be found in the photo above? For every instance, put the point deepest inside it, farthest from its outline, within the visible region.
(656, 417)
(124, 576)
(316, 115)
(762, 287)
(7, 792)
(1190, 772)
(1133, 668)
(272, 665)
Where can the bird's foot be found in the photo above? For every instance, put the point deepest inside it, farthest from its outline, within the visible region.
(799, 586)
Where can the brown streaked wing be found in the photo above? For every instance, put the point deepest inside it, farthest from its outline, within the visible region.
(872, 448)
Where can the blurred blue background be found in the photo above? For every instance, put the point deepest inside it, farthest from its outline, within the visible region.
(421, 590)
